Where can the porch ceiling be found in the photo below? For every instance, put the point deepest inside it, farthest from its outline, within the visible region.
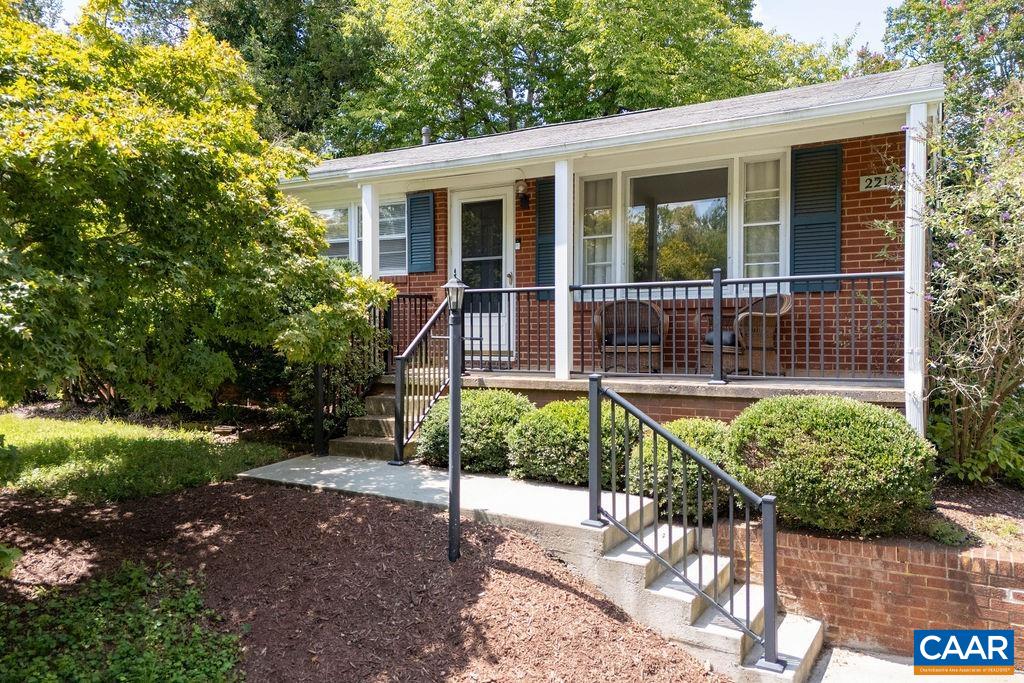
(863, 95)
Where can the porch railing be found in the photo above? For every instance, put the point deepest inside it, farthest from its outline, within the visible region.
(509, 329)
(842, 326)
(692, 497)
(403, 319)
(421, 376)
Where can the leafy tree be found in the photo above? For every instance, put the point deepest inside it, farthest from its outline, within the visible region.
(979, 42)
(141, 225)
(976, 218)
(42, 12)
(471, 67)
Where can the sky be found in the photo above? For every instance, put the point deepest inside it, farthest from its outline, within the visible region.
(812, 20)
(806, 20)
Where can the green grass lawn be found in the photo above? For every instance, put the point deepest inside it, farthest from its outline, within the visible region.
(110, 460)
(133, 625)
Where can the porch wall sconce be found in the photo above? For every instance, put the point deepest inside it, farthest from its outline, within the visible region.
(522, 195)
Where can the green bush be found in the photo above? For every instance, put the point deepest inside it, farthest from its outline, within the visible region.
(552, 443)
(487, 417)
(834, 463)
(110, 460)
(130, 626)
(708, 438)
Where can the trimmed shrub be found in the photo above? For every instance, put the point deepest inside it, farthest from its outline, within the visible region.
(552, 443)
(834, 463)
(707, 437)
(487, 417)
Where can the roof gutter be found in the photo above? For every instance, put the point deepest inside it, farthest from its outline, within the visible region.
(878, 104)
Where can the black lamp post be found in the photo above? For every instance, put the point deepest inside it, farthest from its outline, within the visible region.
(454, 292)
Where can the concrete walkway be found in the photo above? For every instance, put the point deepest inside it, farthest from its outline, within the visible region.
(842, 665)
(488, 498)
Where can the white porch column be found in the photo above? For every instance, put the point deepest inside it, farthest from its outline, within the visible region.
(371, 232)
(914, 267)
(563, 268)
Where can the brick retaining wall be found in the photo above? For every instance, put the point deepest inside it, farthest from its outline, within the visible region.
(873, 594)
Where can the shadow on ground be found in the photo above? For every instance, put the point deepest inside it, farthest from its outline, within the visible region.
(328, 587)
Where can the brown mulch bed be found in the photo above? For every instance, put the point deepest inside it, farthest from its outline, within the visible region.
(992, 514)
(328, 587)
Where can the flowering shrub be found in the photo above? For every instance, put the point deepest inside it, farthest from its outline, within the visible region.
(976, 288)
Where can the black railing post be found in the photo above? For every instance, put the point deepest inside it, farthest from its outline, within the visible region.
(770, 660)
(454, 433)
(717, 371)
(594, 512)
(319, 443)
(399, 458)
(389, 325)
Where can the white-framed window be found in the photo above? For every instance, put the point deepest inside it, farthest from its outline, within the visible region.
(394, 238)
(762, 218)
(598, 239)
(345, 234)
(681, 222)
(339, 242)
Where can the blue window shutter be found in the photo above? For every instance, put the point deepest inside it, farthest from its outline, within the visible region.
(816, 215)
(420, 212)
(545, 210)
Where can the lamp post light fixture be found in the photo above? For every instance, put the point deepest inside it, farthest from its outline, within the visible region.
(454, 292)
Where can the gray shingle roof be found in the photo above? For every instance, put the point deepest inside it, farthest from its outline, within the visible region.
(550, 138)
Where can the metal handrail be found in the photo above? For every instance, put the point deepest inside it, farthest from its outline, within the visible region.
(409, 414)
(671, 438)
(598, 516)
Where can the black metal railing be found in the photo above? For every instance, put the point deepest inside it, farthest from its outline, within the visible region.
(421, 376)
(509, 329)
(841, 326)
(404, 318)
(691, 496)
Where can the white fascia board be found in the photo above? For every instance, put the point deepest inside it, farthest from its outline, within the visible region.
(874, 106)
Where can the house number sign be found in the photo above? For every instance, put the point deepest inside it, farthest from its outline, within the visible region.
(878, 182)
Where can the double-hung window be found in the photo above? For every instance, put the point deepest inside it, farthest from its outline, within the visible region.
(598, 235)
(342, 227)
(762, 204)
(393, 237)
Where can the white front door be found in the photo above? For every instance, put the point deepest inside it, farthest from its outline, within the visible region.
(483, 254)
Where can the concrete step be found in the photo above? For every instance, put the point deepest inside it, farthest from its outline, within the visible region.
(800, 642)
(372, 447)
(670, 606)
(380, 405)
(639, 567)
(371, 425)
(383, 405)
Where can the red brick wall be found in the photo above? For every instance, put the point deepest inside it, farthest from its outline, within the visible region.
(660, 407)
(873, 594)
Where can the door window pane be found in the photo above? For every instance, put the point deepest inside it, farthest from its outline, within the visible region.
(761, 210)
(597, 231)
(678, 225)
(482, 257)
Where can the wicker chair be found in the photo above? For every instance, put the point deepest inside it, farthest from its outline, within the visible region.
(629, 336)
(750, 345)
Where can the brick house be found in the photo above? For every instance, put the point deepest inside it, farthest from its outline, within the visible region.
(700, 257)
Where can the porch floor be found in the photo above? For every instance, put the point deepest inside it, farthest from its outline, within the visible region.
(887, 392)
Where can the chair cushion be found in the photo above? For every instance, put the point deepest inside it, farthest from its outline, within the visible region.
(632, 339)
(728, 338)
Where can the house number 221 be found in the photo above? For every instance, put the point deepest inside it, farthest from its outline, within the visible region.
(878, 182)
